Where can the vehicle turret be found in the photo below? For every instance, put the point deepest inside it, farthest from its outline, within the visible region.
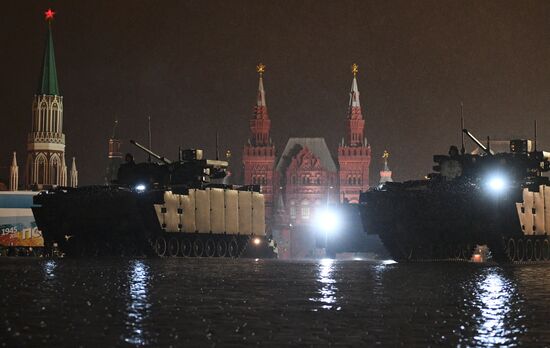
(522, 164)
(190, 170)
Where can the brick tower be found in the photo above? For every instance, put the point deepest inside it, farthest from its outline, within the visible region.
(259, 152)
(354, 153)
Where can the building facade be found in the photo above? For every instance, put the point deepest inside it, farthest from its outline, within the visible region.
(305, 177)
(46, 164)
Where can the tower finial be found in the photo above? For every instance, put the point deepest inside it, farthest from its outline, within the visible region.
(354, 69)
(49, 14)
(260, 68)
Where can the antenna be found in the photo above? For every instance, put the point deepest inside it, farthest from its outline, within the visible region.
(489, 143)
(149, 134)
(217, 149)
(535, 135)
(462, 149)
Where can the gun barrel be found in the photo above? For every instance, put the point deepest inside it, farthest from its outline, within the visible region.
(165, 160)
(217, 163)
(478, 143)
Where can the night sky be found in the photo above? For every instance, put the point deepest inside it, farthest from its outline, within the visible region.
(190, 65)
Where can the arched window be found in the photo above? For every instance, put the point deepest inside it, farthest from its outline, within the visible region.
(42, 117)
(253, 180)
(318, 180)
(55, 113)
(354, 181)
(304, 180)
(349, 180)
(54, 170)
(41, 169)
(359, 180)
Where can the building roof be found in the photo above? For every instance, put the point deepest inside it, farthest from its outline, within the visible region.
(48, 78)
(317, 146)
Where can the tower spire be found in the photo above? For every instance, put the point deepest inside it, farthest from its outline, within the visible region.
(356, 126)
(74, 174)
(48, 78)
(260, 125)
(385, 174)
(14, 174)
(260, 68)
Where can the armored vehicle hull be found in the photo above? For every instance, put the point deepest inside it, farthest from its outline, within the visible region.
(498, 200)
(116, 221)
(418, 222)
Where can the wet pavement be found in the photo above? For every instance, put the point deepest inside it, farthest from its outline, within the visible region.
(221, 302)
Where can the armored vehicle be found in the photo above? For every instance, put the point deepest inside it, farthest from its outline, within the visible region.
(501, 200)
(159, 208)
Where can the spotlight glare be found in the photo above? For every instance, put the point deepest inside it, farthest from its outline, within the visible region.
(497, 183)
(327, 220)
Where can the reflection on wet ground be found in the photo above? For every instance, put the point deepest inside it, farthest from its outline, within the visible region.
(209, 302)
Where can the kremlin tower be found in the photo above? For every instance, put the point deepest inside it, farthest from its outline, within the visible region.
(354, 153)
(259, 152)
(46, 141)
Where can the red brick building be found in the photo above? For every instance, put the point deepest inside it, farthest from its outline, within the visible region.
(305, 176)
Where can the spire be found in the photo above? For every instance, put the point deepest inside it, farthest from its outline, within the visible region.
(261, 92)
(385, 174)
(14, 174)
(356, 123)
(354, 111)
(354, 93)
(260, 124)
(48, 79)
(74, 174)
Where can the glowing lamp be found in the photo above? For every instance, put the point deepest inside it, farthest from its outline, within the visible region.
(257, 241)
(140, 188)
(327, 220)
(497, 183)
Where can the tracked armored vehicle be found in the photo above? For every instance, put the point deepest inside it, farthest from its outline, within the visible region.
(159, 208)
(501, 200)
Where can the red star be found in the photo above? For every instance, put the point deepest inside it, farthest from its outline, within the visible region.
(49, 14)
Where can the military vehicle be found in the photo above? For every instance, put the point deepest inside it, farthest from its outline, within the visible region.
(159, 208)
(501, 200)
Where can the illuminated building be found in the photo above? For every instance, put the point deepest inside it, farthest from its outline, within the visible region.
(305, 176)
